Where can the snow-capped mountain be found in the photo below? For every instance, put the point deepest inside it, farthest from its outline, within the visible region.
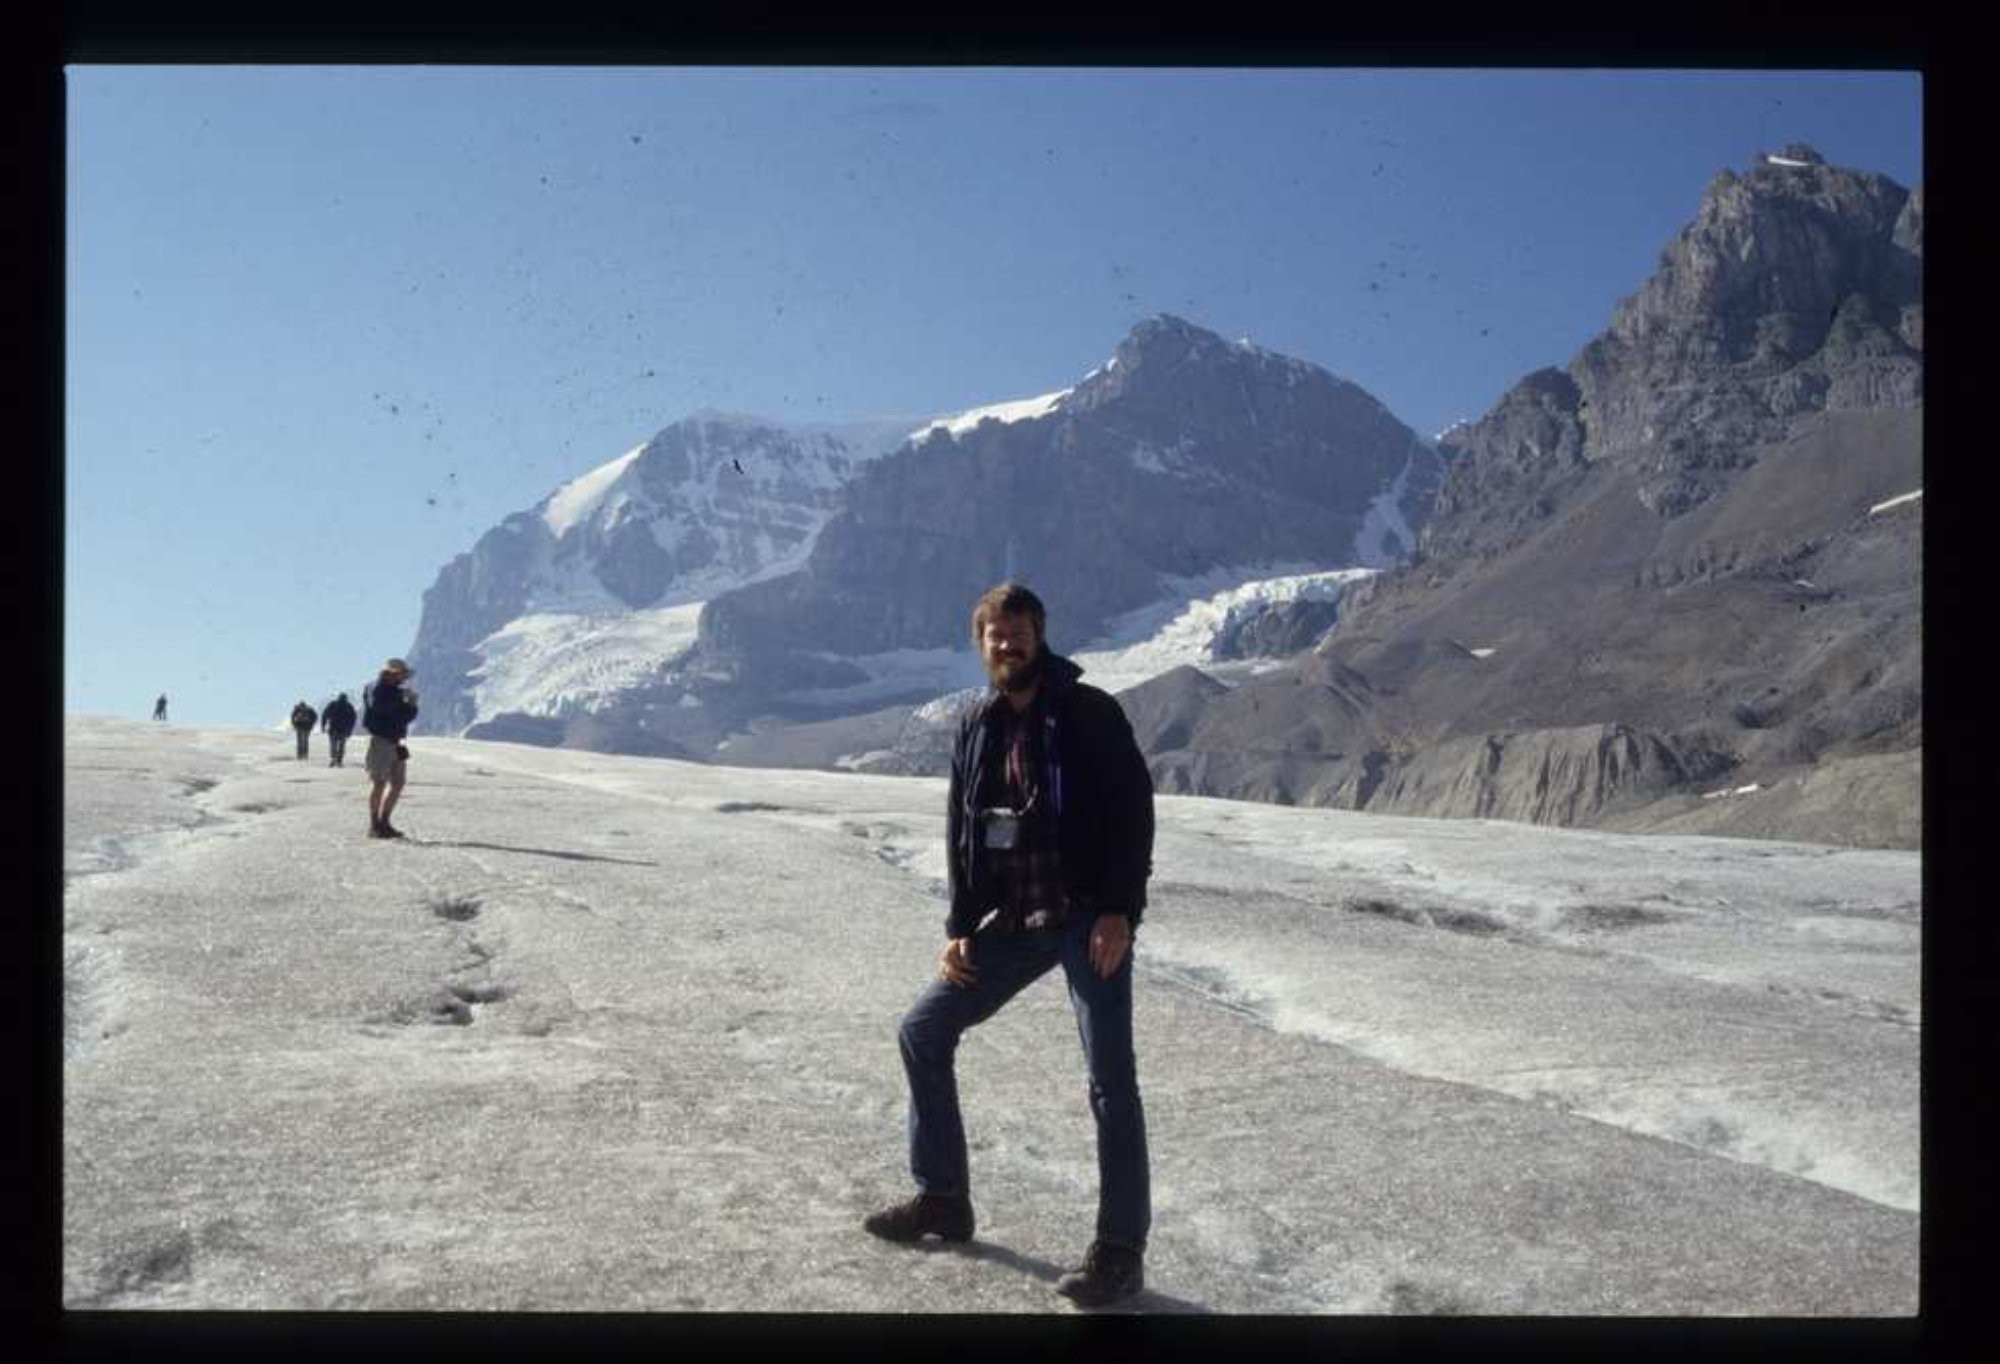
(1183, 454)
(589, 591)
(613, 613)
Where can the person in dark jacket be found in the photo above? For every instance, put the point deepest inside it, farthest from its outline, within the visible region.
(304, 717)
(337, 718)
(1049, 830)
(388, 705)
(160, 707)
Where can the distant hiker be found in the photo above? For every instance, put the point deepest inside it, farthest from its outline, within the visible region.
(387, 707)
(160, 707)
(304, 717)
(1049, 838)
(337, 719)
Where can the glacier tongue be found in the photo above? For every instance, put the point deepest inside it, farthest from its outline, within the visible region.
(554, 663)
(1183, 627)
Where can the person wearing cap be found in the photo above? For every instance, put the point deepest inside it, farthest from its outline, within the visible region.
(387, 707)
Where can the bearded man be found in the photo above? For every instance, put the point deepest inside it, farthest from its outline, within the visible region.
(1050, 834)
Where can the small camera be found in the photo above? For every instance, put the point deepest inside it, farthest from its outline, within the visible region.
(1002, 827)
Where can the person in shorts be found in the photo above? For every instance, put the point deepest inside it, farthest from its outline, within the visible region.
(388, 705)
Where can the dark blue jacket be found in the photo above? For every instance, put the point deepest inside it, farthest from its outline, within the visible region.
(386, 709)
(1097, 781)
(337, 717)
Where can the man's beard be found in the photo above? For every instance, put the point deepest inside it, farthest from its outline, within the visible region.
(1016, 674)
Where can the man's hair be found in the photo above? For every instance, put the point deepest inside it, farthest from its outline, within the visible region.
(1009, 599)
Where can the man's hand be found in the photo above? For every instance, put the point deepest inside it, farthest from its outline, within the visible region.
(956, 963)
(1109, 937)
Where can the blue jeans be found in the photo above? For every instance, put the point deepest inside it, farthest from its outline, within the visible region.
(1006, 963)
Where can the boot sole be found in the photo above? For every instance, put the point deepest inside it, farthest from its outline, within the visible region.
(1125, 1296)
(955, 1238)
(955, 1235)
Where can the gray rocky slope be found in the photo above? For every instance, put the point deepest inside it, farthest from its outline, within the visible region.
(1661, 572)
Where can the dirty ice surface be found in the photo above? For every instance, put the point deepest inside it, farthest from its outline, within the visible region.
(616, 1033)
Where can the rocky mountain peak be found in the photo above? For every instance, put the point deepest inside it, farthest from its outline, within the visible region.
(1796, 289)
(1170, 365)
(1786, 240)
(1182, 454)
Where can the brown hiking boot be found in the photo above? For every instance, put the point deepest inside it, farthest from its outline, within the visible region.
(1110, 1272)
(948, 1219)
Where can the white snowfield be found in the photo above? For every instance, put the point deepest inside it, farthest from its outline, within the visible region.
(618, 1034)
(550, 663)
(1182, 627)
(1385, 520)
(554, 662)
(579, 498)
(1014, 410)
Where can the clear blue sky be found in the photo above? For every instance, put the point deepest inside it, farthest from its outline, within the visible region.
(326, 325)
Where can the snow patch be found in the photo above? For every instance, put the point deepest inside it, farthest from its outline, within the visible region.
(1171, 460)
(1018, 410)
(947, 708)
(854, 761)
(1181, 629)
(1384, 519)
(580, 497)
(1896, 502)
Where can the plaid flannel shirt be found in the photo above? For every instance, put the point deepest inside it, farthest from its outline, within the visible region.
(1030, 873)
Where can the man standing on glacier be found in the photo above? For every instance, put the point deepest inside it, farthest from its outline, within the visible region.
(1050, 836)
(388, 705)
